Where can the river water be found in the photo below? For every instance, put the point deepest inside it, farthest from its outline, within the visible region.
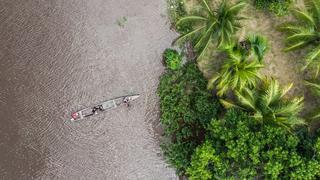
(58, 56)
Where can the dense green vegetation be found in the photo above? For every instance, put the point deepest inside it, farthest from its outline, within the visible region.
(259, 132)
(187, 107)
(238, 147)
(172, 59)
(278, 7)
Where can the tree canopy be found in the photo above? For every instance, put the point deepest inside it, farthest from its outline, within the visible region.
(237, 147)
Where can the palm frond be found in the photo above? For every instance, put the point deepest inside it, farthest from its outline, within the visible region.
(286, 89)
(295, 121)
(303, 16)
(249, 74)
(191, 18)
(205, 35)
(290, 108)
(252, 95)
(312, 57)
(221, 40)
(314, 6)
(223, 84)
(305, 31)
(202, 51)
(225, 78)
(272, 91)
(316, 114)
(236, 8)
(218, 26)
(296, 46)
(236, 82)
(258, 45)
(245, 101)
(230, 28)
(253, 66)
(184, 36)
(206, 5)
(291, 28)
(267, 104)
(228, 104)
(222, 90)
(234, 55)
(213, 80)
(258, 116)
(237, 71)
(302, 36)
(314, 86)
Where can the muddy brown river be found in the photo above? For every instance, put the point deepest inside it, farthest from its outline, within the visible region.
(58, 56)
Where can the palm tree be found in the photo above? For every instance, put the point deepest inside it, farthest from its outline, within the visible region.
(212, 25)
(268, 104)
(258, 45)
(241, 68)
(305, 32)
(316, 90)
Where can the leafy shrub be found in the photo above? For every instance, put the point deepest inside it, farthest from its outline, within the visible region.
(238, 147)
(278, 7)
(172, 59)
(186, 109)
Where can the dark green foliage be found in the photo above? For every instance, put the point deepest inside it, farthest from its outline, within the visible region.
(239, 147)
(278, 7)
(172, 59)
(186, 109)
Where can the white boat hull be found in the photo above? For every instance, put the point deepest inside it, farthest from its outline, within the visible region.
(103, 106)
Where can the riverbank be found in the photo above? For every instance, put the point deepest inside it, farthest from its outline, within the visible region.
(250, 124)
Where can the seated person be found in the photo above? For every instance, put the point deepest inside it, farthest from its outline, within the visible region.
(94, 110)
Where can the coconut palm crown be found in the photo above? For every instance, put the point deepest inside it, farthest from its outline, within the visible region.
(212, 25)
(268, 104)
(305, 32)
(241, 68)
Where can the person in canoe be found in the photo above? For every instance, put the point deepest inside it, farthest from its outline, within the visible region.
(94, 110)
(126, 101)
(75, 115)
